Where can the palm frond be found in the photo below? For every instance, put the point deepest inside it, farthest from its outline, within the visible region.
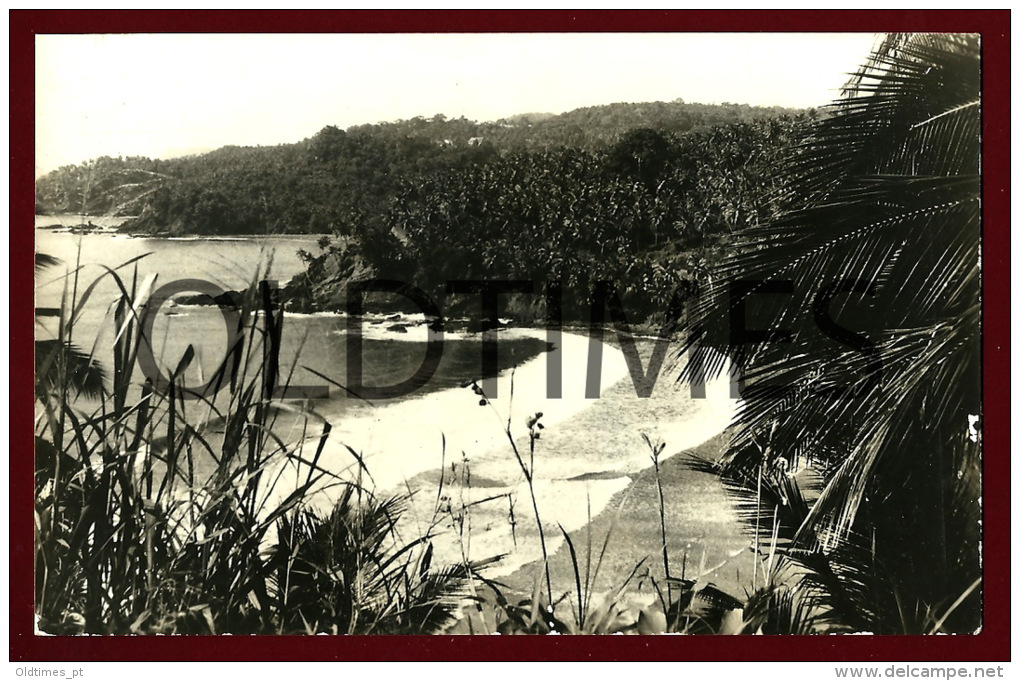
(862, 350)
(60, 364)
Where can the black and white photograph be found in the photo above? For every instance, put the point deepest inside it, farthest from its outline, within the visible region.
(508, 333)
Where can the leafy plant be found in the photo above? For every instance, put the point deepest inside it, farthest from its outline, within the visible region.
(347, 573)
(156, 513)
(868, 287)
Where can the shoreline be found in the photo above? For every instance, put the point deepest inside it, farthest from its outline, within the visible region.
(632, 520)
(427, 445)
(720, 553)
(639, 329)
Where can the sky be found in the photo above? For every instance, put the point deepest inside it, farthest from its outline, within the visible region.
(166, 95)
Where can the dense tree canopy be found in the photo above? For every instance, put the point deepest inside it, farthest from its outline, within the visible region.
(637, 194)
(644, 214)
(338, 179)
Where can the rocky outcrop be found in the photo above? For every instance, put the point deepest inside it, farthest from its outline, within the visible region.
(325, 284)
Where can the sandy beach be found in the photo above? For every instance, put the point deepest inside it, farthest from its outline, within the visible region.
(590, 464)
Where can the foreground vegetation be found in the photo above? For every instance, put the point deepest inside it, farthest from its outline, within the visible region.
(135, 535)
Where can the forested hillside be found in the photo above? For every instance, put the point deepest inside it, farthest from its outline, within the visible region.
(336, 175)
(637, 194)
(647, 213)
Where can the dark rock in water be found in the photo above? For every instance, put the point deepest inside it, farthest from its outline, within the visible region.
(85, 229)
(397, 328)
(483, 325)
(225, 299)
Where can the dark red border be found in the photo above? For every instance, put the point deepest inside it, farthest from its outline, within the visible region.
(992, 644)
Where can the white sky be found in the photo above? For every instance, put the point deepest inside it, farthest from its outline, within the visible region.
(162, 95)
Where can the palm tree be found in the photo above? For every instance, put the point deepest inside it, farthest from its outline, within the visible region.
(862, 351)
